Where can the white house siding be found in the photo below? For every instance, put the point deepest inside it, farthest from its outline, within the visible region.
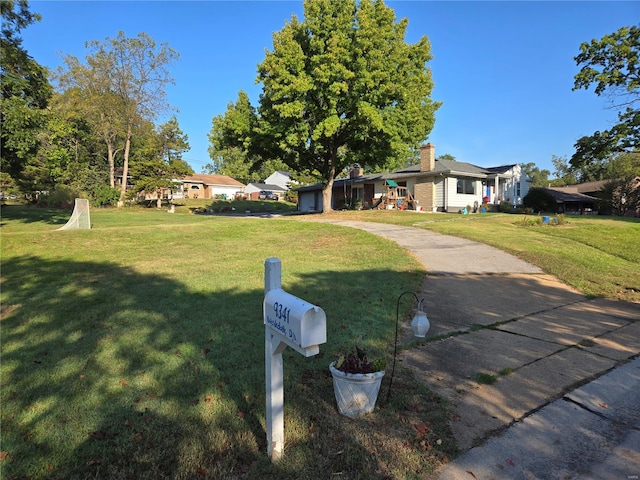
(457, 201)
(440, 201)
(515, 188)
(279, 178)
(228, 190)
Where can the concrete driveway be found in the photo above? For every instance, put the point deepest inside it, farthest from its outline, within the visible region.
(565, 397)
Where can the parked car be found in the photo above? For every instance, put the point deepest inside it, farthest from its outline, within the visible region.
(267, 195)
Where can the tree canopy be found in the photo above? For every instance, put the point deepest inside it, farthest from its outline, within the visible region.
(340, 87)
(158, 158)
(123, 81)
(25, 90)
(539, 178)
(621, 193)
(611, 65)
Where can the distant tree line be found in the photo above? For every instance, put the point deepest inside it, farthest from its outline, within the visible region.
(95, 126)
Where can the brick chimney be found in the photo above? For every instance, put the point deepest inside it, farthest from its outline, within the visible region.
(427, 157)
(356, 171)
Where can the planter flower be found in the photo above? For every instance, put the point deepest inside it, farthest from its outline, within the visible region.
(356, 382)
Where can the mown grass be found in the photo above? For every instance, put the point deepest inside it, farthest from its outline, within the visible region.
(136, 350)
(597, 255)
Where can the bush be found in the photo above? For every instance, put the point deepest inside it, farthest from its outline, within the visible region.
(505, 207)
(105, 196)
(61, 196)
(540, 200)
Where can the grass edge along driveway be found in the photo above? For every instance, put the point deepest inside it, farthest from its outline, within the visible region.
(598, 256)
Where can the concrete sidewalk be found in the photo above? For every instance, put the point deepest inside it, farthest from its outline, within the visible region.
(565, 397)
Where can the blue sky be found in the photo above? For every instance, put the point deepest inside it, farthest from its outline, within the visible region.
(503, 70)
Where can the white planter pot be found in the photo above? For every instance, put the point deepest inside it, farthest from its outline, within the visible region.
(356, 393)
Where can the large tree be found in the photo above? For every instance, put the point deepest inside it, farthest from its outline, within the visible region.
(342, 86)
(125, 79)
(621, 193)
(566, 174)
(158, 158)
(612, 66)
(25, 90)
(230, 141)
(539, 178)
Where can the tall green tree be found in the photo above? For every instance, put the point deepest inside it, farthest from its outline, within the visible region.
(340, 87)
(230, 140)
(446, 156)
(610, 64)
(87, 90)
(174, 142)
(621, 193)
(158, 158)
(539, 178)
(566, 174)
(126, 78)
(25, 90)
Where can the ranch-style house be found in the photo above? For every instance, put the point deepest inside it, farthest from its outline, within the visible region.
(432, 185)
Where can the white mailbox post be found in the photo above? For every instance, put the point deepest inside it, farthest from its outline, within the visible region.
(289, 321)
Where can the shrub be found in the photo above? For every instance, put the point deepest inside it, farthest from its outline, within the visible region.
(540, 200)
(61, 196)
(105, 196)
(505, 207)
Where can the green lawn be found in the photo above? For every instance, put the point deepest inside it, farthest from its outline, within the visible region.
(597, 255)
(136, 350)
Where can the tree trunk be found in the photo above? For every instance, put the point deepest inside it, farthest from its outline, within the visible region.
(159, 201)
(112, 165)
(125, 167)
(327, 196)
(327, 190)
(111, 154)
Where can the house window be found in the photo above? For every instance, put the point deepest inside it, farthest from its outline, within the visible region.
(195, 187)
(518, 189)
(466, 186)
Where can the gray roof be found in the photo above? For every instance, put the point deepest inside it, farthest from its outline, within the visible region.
(500, 169)
(563, 196)
(266, 186)
(442, 166)
(453, 167)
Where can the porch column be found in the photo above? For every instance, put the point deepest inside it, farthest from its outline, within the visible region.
(497, 190)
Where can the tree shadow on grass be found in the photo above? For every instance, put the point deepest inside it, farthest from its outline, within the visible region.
(34, 214)
(110, 373)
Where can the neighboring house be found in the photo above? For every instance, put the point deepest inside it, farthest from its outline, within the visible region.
(280, 178)
(588, 188)
(193, 186)
(253, 190)
(211, 186)
(583, 198)
(433, 185)
(569, 201)
(278, 182)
